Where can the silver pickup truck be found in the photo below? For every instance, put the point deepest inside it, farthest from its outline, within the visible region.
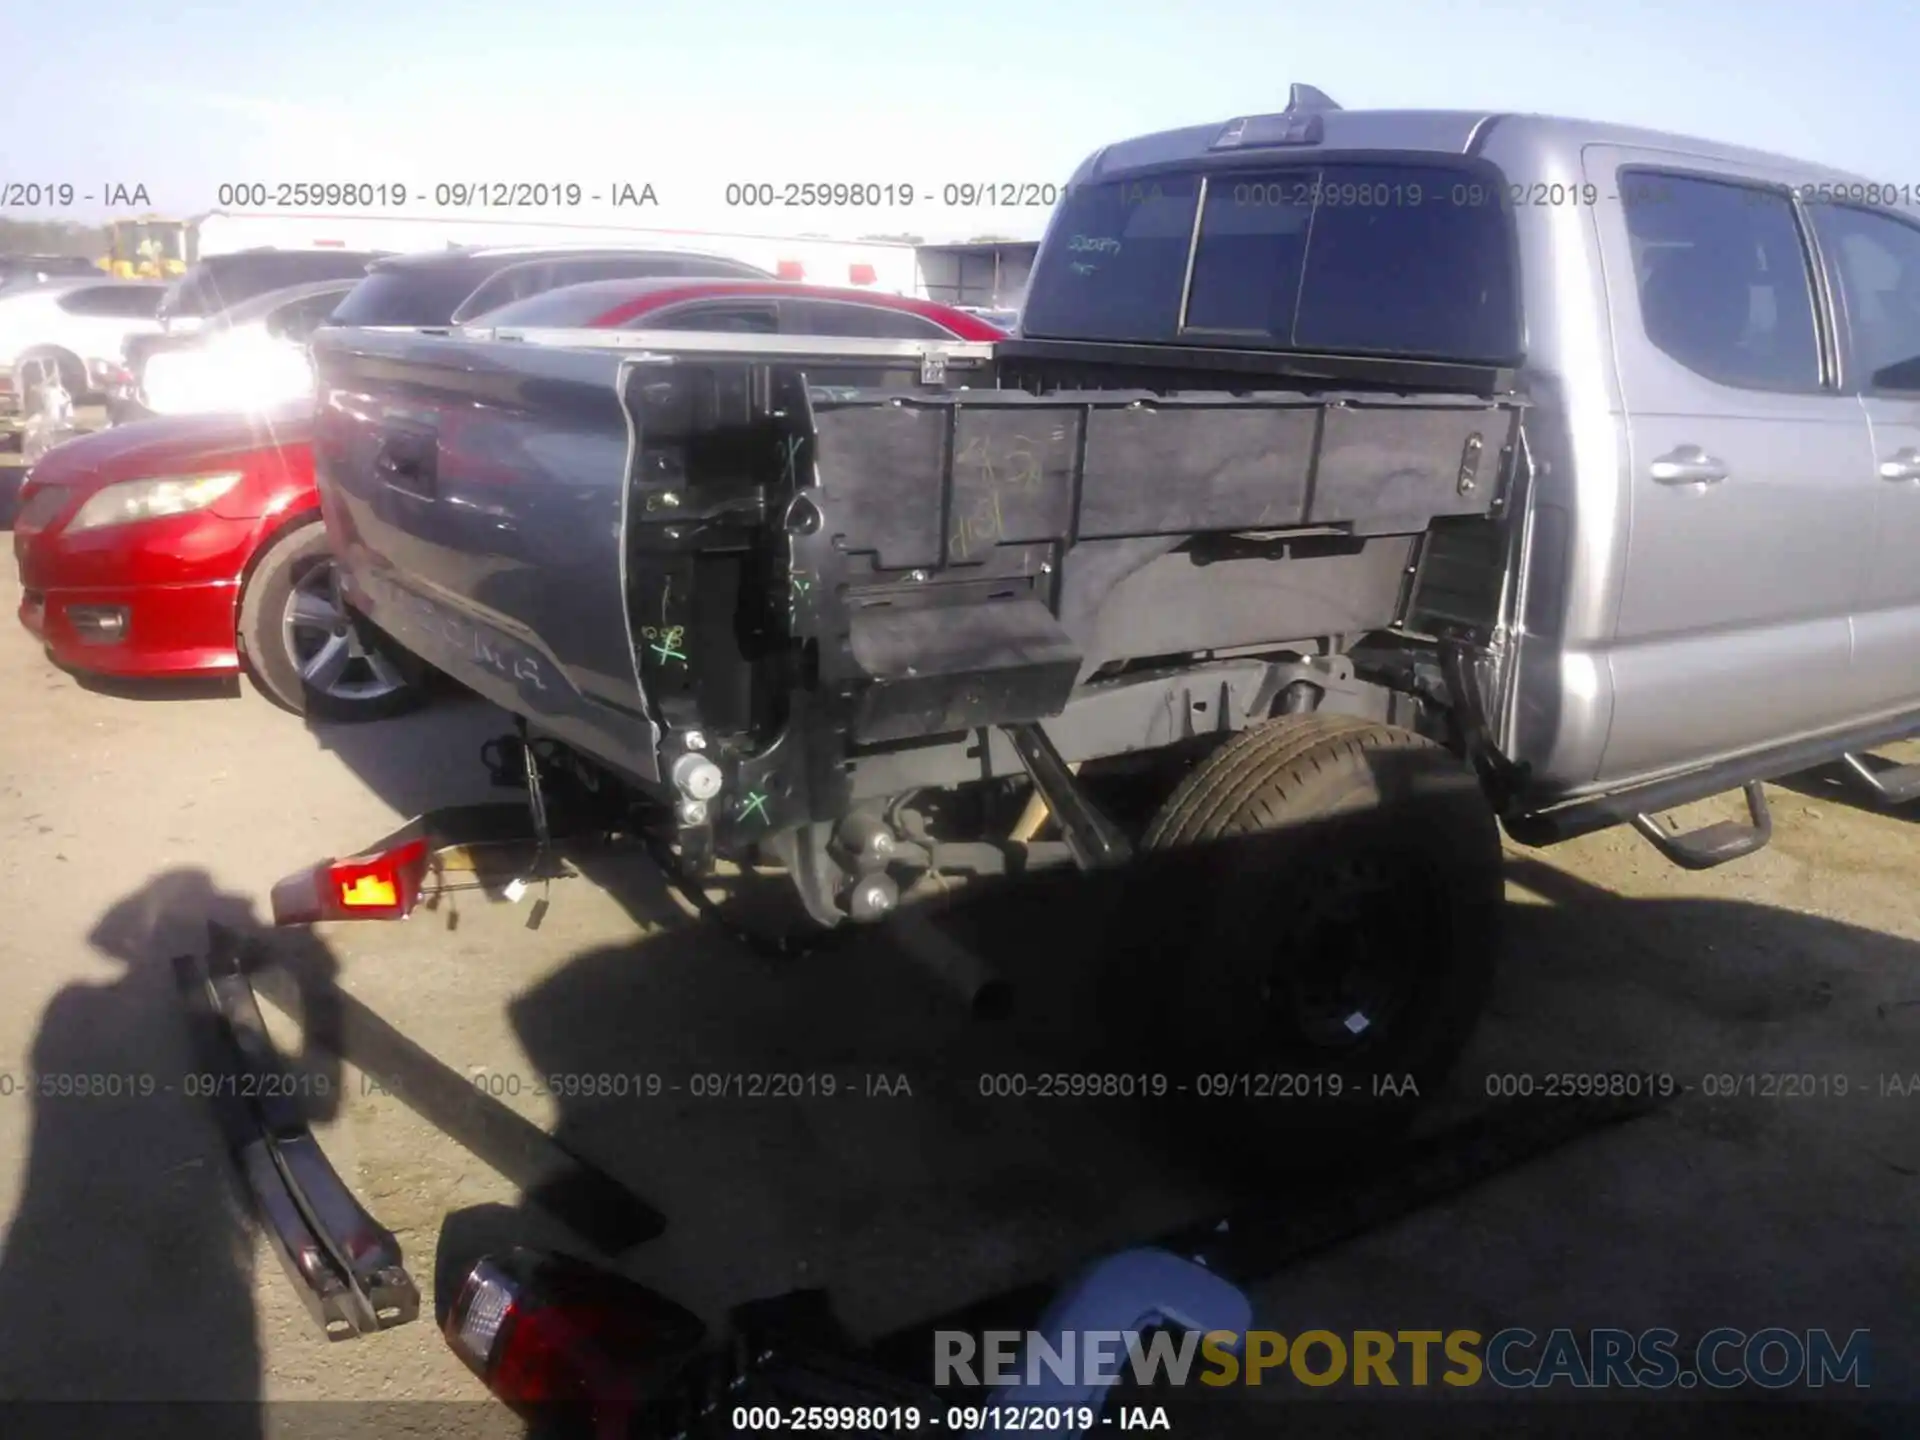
(1357, 479)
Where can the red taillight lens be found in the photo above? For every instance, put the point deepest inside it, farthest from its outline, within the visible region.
(385, 884)
(382, 886)
(545, 1330)
(790, 270)
(862, 274)
(553, 1357)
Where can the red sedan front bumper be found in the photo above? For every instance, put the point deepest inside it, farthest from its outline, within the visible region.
(151, 598)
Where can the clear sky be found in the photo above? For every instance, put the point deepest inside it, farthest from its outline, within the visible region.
(693, 96)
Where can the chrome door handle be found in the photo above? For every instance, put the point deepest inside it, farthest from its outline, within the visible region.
(1902, 465)
(1688, 465)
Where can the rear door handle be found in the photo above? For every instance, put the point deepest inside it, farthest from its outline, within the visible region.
(1688, 465)
(406, 461)
(1901, 465)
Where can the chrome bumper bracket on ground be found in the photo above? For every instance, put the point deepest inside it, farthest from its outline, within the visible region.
(346, 1267)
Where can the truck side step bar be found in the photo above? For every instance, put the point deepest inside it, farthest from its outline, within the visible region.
(346, 1267)
(1571, 819)
(1889, 784)
(1717, 843)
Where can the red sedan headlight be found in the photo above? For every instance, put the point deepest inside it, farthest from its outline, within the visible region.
(152, 498)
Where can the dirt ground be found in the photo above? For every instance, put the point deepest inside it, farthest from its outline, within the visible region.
(127, 817)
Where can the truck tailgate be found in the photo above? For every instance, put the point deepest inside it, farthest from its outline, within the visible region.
(476, 487)
(474, 494)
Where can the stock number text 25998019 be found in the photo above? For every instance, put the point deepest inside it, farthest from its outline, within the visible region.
(695, 1085)
(446, 195)
(1409, 195)
(306, 194)
(891, 194)
(1306, 1086)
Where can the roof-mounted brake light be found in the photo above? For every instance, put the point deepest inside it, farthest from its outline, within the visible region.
(1299, 124)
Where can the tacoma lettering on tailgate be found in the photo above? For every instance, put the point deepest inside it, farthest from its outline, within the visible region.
(487, 647)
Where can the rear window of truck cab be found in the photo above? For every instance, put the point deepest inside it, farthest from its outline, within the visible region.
(1399, 259)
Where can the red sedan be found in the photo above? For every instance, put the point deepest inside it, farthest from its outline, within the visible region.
(190, 545)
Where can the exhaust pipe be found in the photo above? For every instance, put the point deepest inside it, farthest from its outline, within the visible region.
(983, 990)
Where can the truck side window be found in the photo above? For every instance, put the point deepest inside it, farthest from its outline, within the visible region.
(1875, 260)
(1724, 279)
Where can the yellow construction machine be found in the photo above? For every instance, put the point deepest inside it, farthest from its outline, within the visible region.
(151, 247)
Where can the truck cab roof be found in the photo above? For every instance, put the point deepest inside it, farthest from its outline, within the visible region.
(1312, 124)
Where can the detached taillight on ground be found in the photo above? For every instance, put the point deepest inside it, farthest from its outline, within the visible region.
(382, 886)
(553, 1335)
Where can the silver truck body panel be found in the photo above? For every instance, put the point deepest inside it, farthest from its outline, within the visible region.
(1698, 622)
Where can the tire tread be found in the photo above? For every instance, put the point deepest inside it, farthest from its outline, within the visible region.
(1276, 779)
(1236, 789)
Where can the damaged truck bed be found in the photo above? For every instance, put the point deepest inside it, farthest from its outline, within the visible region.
(771, 580)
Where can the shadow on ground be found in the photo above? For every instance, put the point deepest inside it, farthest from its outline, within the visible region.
(907, 1206)
(840, 1120)
(165, 689)
(127, 1273)
(1838, 784)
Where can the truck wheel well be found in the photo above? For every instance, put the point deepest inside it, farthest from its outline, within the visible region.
(1287, 837)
